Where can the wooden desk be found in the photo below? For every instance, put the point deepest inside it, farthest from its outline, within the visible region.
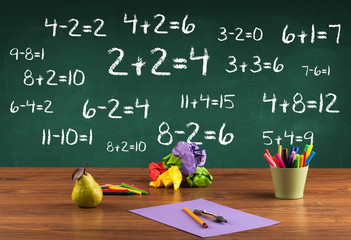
(35, 203)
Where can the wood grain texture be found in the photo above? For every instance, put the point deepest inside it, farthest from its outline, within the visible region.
(35, 203)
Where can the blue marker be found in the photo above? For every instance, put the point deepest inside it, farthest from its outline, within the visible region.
(296, 150)
(309, 158)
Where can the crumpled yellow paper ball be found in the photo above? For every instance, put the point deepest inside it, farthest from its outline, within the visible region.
(172, 176)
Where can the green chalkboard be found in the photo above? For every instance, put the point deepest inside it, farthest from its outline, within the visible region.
(119, 83)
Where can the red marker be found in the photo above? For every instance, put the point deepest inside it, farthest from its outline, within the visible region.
(276, 161)
(266, 151)
(270, 161)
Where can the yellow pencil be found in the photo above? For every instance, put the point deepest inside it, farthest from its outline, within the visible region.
(203, 224)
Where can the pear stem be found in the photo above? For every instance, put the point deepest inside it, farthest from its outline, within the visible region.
(85, 167)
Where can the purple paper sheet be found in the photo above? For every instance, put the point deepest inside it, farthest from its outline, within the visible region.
(175, 216)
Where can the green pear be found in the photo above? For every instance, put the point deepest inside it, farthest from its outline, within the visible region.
(87, 192)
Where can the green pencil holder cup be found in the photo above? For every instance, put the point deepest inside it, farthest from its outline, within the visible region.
(289, 183)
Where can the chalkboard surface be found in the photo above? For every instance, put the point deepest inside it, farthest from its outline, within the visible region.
(119, 83)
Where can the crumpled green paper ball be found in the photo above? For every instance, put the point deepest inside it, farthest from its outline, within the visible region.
(201, 178)
(171, 160)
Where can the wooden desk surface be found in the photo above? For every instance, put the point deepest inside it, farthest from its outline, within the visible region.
(35, 203)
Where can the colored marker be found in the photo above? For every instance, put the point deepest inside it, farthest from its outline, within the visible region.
(293, 154)
(294, 164)
(276, 161)
(280, 150)
(266, 151)
(306, 147)
(285, 156)
(304, 157)
(291, 160)
(122, 188)
(129, 186)
(296, 150)
(280, 161)
(111, 186)
(309, 158)
(115, 186)
(302, 161)
(104, 192)
(297, 160)
(203, 224)
(116, 190)
(270, 161)
(135, 191)
(292, 149)
(309, 150)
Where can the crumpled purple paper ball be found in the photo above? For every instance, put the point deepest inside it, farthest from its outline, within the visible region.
(190, 155)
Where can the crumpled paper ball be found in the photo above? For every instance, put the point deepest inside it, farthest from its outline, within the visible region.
(171, 160)
(190, 155)
(201, 178)
(172, 176)
(156, 169)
